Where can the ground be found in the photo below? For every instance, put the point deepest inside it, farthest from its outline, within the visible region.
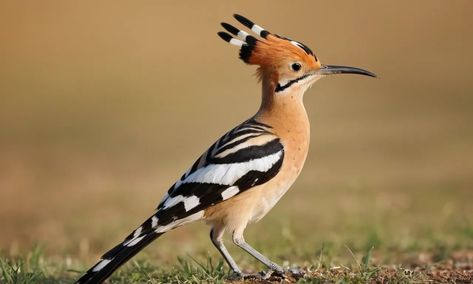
(455, 268)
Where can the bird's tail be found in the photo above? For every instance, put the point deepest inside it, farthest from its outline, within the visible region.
(122, 252)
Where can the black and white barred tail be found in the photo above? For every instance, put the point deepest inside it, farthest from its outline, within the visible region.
(155, 226)
(121, 253)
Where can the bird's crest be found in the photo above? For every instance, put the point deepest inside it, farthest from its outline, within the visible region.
(269, 50)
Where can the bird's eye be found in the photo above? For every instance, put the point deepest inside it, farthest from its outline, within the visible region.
(296, 67)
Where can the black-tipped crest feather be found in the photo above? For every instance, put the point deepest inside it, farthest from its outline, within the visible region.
(244, 21)
(251, 25)
(225, 36)
(231, 29)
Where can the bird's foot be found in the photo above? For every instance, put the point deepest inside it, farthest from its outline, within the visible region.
(296, 273)
(270, 275)
(238, 276)
(292, 274)
(262, 275)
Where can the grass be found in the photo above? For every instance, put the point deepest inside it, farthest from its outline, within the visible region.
(359, 267)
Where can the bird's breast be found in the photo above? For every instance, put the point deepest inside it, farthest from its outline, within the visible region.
(295, 153)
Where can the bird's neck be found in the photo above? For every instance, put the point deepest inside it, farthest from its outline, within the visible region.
(283, 110)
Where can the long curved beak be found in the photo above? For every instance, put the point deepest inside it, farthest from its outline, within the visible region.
(334, 69)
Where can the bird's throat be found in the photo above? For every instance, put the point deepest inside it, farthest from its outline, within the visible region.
(284, 111)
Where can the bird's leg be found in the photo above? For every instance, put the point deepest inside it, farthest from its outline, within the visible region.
(216, 235)
(239, 240)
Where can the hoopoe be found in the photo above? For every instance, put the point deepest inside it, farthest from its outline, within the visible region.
(245, 172)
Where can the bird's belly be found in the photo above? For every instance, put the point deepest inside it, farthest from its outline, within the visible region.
(266, 204)
(270, 195)
(272, 191)
(252, 205)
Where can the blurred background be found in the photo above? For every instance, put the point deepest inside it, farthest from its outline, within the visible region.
(104, 104)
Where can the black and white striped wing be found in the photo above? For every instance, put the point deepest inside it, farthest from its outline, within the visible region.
(247, 156)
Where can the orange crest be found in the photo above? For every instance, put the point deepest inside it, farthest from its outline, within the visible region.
(270, 50)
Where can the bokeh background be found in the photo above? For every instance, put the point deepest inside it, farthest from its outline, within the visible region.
(104, 104)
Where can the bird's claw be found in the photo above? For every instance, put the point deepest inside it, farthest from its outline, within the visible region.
(238, 275)
(283, 274)
(271, 274)
(296, 273)
(279, 273)
(262, 275)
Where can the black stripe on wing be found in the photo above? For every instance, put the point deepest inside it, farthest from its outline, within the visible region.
(254, 178)
(249, 153)
(178, 211)
(231, 144)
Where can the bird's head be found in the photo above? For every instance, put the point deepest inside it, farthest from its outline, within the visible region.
(286, 64)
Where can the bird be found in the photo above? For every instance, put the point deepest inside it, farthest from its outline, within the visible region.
(245, 172)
